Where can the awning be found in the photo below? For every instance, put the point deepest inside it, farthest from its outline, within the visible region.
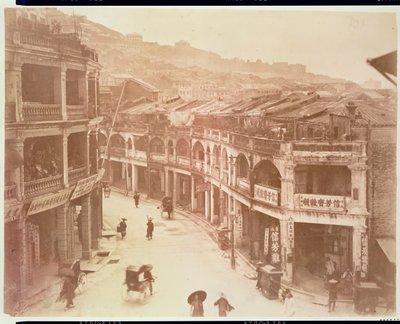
(388, 246)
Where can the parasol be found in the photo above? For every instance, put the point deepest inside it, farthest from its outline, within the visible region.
(201, 293)
(146, 267)
(68, 272)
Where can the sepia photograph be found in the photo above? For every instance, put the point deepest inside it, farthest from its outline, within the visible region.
(197, 163)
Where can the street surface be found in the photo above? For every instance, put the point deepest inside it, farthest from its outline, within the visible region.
(185, 259)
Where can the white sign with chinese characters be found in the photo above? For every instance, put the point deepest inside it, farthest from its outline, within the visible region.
(275, 246)
(239, 225)
(266, 194)
(336, 203)
(364, 253)
(291, 233)
(266, 241)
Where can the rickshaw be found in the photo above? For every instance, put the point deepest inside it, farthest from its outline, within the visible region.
(167, 206)
(73, 269)
(133, 282)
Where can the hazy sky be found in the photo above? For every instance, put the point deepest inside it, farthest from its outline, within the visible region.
(333, 43)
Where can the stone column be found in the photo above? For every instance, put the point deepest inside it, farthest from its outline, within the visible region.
(193, 195)
(287, 187)
(175, 189)
(207, 204)
(65, 159)
(86, 227)
(19, 172)
(96, 216)
(358, 188)
(63, 91)
(287, 250)
(212, 211)
(87, 154)
(96, 89)
(14, 89)
(86, 93)
(167, 191)
(24, 265)
(134, 177)
(62, 230)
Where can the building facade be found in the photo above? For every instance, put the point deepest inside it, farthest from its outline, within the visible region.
(51, 155)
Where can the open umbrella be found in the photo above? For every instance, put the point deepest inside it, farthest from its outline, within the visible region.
(200, 293)
(68, 272)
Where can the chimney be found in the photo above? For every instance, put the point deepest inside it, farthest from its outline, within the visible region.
(351, 108)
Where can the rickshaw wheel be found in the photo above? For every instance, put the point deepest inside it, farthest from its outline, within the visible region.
(82, 281)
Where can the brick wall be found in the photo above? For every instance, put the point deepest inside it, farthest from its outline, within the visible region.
(382, 187)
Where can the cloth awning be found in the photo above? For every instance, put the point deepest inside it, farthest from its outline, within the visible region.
(388, 246)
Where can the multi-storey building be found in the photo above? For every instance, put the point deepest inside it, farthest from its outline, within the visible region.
(289, 175)
(51, 156)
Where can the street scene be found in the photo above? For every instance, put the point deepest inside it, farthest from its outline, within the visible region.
(153, 175)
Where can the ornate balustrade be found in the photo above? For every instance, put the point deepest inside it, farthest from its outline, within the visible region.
(243, 183)
(10, 191)
(183, 160)
(77, 174)
(76, 111)
(267, 146)
(240, 140)
(36, 39)
(41, 112)
(323, 147)
(40, 186)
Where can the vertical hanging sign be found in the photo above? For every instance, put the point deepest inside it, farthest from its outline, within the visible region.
(291, 233)
(266, 241)
(275, 246)
(364, 252)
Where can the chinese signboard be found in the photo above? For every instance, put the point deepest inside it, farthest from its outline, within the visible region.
(203, 187)
(364, 252)
(239, 225)
(275, 246)
(266, 241)
(291, 233)
(84, 186)
(266, 194)
(322, 202)
(48, 202)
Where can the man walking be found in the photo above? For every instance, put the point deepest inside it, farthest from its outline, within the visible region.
(223, 305)
(136, 197)
(150, 229)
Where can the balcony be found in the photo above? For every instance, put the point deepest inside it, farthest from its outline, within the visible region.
(198, 132)
(158, 157)
(267, 194)
(183, 160)
(36, 39)
(76, 112)
(267, 146)
(198, 165)
(225, 137)
(77, 174)
(117, 152)
(346, 148)
(323, 203)
(240, 140)
(10, 192)
(36, 111)
(243, 183)
(140, 155)
(215, 135)
(41, 186)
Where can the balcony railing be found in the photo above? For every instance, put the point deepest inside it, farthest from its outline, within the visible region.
(32, 111)
(183, 160)
(198, 132)
(37, 39)
(215, 135)
(117, 151)
(44, 185)
(158, 157)
(224, 137)
(240, 140)
(323, 147)
(141, 155)
(77, 174)
(198, 165)
(243, 183)
(267, 146)
(76, 112)
(320, 202)
(10, 191)
(267, 194)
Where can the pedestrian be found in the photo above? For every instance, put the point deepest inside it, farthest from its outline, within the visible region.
(258, 269)
(136, 197)
(223, 305)
(122, 227)
(169, 208)
(148, 276)
(329, 268)
(332, 294)
(150, 229)
(336, 272)
(67, 292)
(288, 303)
(197, 309)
